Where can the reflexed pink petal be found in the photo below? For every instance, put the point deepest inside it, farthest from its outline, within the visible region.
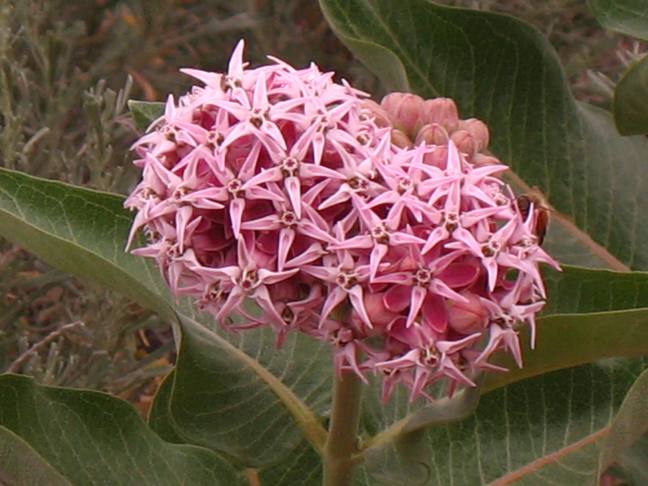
(236, 208)
(397, 298)
(286, 238)
(418, 296)
(434, 314)
(293, 188)
(459, 275)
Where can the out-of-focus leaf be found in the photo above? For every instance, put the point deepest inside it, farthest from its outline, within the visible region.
(631, 100)
(503, 71)
(629, 17)
(625, 443)
(88, 437)
(145, 112)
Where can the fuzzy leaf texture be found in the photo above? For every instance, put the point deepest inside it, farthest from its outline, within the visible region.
(62, 437)
(625, 446)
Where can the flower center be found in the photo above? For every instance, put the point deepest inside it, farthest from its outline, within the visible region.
(249, 280)
(380, 234)
(180, 192)
(287, 315)
(234, 187)
(451, 221)
(346, 280)
(357, 183)
(229, 82)
(288, 218)
(289, 167)
(404, 185)
(423, 276)
(214, 138)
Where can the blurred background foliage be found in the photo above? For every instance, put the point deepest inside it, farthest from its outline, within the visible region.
(67, 68)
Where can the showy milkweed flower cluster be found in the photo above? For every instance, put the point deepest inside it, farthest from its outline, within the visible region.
(281, 187)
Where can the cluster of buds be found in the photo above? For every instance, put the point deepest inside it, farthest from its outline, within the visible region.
(436, 121)
(280, 187)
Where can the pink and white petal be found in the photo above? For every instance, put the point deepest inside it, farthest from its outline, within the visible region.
(236, 208)
(286, 239)
(397, 298)
(293, 188)
(417, 298)
(334, 298)
(357, 301)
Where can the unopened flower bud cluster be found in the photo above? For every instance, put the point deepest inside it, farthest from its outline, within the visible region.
(280, 187)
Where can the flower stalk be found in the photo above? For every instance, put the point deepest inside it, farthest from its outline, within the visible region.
(342, 443)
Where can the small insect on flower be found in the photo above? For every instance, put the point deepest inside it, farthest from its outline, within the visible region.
(536, 200)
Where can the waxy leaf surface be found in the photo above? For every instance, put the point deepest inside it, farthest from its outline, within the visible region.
(77, 437)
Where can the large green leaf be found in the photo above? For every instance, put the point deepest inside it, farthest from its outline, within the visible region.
(504, 72)
(629, 17)
(270, 398)
(545, 430)
(87, 437)
(540, 431)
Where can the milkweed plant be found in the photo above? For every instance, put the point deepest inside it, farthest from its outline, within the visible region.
(365, 290)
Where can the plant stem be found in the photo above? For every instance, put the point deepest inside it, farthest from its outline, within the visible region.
(342, 442)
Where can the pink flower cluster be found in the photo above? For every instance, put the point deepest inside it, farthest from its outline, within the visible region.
(278, 186)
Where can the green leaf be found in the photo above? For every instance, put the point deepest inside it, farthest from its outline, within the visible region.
(629, 17)
(503, 71)
(88, 437)
(631, 100)
(626, 440)
(21, 465)
(145, 112)
(539, 431)
(268, 398)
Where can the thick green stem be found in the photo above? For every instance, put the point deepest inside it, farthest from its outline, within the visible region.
(342, 442)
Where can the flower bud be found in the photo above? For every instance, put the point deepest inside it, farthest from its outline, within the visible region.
(442, 111)
(481, 160)
(399, 139)
(467, 317)
(478, 130)
(404, 110)
(380, 116)
(432, 134)
(438, 158)
(465, 143)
